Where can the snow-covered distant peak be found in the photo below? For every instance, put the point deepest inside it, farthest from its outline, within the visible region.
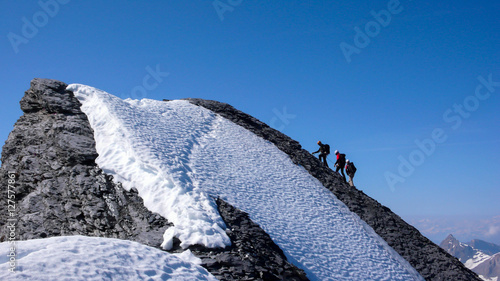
(92, 258)
(479, 256)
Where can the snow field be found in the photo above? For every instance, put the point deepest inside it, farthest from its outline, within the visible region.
(178, 155)
(478, 258)
(93, 258)
(144, 144)
(315, 229)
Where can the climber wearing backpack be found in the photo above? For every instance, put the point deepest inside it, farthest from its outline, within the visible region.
(324, 150)
(350, 169)
(340, 164)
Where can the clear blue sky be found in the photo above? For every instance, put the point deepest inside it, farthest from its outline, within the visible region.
(367, 77)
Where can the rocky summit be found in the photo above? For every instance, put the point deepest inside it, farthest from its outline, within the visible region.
(430, 260)
(59, 188)
(61, 191)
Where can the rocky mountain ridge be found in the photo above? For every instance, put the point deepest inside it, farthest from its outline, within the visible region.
(430, 260)
(485, 247)
(61, 191)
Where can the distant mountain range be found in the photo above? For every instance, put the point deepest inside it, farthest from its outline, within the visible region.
(480, 256)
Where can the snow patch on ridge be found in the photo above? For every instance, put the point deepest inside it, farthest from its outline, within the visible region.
(145, 144)
(95, 258)
(479, 257)
(315, 230)
(177, 154)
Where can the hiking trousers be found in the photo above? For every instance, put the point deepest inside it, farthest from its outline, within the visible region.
(351, 183)
(341, 168)
(322, 158)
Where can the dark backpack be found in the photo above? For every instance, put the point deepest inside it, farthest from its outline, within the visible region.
(342, 158)
(327, 148)
(351, 168)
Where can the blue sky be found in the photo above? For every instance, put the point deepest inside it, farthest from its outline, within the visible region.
(410, 73)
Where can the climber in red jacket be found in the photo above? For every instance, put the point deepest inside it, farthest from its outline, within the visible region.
(340, 164)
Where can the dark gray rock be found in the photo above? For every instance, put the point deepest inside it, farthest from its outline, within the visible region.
(59, 189)
(431, 261)
(49, 96)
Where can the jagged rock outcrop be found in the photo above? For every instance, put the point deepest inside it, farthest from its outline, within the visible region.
(462, 252)
(60, 190)
(58, 186)
(431, 261)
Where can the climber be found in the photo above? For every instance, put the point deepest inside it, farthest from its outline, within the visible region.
(324, 150)
(340, 164)
(350, 169)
